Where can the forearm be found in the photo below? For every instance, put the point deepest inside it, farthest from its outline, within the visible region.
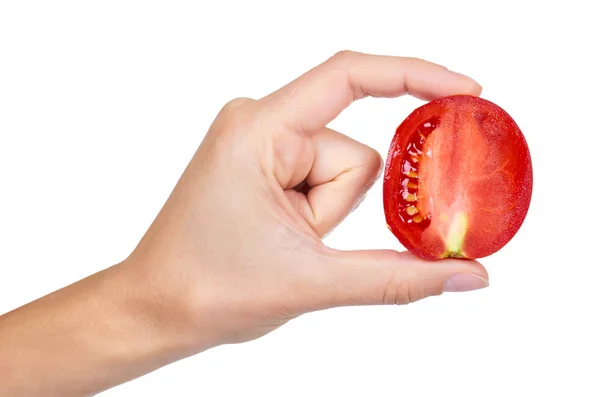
(99, 332)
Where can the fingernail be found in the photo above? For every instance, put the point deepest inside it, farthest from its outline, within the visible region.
(465, 282)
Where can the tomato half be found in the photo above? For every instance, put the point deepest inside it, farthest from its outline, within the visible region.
(458, 179)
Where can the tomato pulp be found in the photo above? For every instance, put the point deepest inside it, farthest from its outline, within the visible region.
(458, 179)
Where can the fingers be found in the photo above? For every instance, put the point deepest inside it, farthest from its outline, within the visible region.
(317, 97)
(389, 277)
(342, 171)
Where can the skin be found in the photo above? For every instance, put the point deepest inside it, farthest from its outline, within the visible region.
(236, 251)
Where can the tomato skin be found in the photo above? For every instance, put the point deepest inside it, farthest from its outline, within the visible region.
(458, 179)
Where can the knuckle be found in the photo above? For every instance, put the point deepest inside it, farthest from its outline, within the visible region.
(235, 114)
(372, 165)
(236, 103)
(413, 62)
(343, 57)
(397, 293)
(373, 160)
(402, 292)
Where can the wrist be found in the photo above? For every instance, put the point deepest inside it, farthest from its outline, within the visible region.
(169, 323)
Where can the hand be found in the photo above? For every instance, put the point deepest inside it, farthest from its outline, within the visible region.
(236, 251)
(240, 238)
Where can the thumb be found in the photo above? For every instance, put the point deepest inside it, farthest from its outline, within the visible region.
(390, 277)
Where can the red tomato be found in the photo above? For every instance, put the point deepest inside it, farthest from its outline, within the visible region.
(458, 179)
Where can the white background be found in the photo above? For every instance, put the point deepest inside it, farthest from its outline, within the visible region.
(102, 104)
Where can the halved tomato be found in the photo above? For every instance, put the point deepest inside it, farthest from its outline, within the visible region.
(458, 179)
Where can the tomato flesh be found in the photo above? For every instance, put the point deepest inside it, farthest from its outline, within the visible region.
(458, 179)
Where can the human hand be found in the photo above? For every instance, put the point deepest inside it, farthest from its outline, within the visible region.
(236, 251)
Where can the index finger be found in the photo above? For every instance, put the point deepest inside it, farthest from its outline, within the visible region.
(314, 99)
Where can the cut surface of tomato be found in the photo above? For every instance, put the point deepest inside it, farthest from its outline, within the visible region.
(458, 179)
